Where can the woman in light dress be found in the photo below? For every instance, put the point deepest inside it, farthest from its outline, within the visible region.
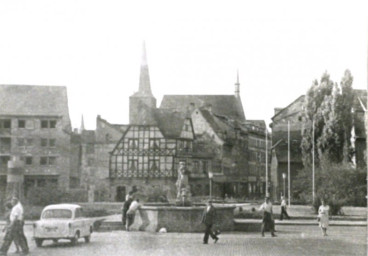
(323, 217)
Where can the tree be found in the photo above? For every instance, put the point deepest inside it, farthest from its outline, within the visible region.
(338, 184)
(328, 106)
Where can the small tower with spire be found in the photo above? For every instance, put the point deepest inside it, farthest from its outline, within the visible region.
(142, 101)
(237, 85)
(237, 95)
(81, 129)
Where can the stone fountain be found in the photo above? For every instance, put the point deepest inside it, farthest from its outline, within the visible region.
(183, 216)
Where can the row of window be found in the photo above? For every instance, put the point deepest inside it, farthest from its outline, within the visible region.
(257, 143)
(259, 157)
(156, 144)
(30, 160)
(29, 124)
(200, 166)
(153, 164)
(44, 160)
(27, 142)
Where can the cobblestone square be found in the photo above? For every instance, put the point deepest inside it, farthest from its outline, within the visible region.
(290, 240)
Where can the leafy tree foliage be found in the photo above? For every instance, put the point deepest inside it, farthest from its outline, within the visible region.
(328, 107)
(338, 184)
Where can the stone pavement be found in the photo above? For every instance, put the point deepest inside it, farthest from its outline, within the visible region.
(290, 240)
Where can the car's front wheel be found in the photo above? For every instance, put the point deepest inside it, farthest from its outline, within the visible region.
(38, 242)
(74, 240)
(87, 239)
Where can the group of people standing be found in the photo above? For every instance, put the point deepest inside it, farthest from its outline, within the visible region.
(14, 228)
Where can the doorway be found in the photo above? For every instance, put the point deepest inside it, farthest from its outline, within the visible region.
(120, 193)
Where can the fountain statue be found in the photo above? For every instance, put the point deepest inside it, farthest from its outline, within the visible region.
(182, 185)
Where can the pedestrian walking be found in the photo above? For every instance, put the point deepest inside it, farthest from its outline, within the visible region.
(267, 221)
(283, 209)
(8, 226)
(134, 206)
(323, 217)
(209, 219)
(125, 209)
(16, 232)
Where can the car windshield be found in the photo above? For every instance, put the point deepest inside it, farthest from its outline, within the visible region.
(57, 214)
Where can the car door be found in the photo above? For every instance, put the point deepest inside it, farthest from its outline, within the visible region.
(78, 221)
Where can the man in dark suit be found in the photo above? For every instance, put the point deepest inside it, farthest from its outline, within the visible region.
(208, 219)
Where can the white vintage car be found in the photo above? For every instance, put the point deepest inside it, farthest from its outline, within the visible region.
(62, 221)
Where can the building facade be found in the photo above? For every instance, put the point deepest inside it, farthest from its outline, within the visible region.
(238, 145)
(35, 126)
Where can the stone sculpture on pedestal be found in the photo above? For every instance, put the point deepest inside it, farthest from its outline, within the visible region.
(182, 184)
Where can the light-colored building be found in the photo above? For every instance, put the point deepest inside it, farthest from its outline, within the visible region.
(35, 126)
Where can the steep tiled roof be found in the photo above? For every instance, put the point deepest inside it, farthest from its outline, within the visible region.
(225, 105)
(220, 125)
(293, 108)
(169, 122)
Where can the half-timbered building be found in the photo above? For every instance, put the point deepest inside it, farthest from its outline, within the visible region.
(150, 149)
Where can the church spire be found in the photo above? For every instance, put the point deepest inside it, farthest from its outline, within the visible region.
(144, 79)
(237, 85)
(82, 125)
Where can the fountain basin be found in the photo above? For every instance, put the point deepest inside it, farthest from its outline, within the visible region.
(180, 219)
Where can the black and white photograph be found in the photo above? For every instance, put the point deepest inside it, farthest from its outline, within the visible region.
(183, 127)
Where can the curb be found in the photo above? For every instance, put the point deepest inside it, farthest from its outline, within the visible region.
(241, 222)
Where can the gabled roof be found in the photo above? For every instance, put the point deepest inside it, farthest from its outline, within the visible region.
(224, 105)
(23, 100)
(118, 127)
(218, 124)
(169, 122)
(293, 108)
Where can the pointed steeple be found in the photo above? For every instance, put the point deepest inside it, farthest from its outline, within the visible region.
(81, 129)
(142, 103)
(237, 85)
(144, 79)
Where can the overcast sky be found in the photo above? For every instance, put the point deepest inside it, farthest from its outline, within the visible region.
(193, 47)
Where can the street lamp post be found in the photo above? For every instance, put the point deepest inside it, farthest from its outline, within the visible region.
(210, 176)
(284, 177)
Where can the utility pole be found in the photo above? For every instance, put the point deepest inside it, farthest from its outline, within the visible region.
(289, 197)
(313, 177)
(266, 193)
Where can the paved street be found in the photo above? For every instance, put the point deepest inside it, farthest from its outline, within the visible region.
(291, 240)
